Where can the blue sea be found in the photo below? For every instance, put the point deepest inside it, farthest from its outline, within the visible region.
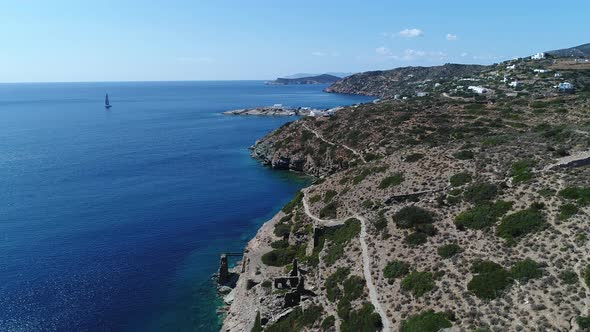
(113, 220)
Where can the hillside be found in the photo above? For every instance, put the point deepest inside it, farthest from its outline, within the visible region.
(582, 51)
(319, 79)
(401, 81)
(453, 210)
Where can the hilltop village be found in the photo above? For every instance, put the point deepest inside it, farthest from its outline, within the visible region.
(458, 201)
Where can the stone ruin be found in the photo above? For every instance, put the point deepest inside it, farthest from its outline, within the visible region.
(294, 283)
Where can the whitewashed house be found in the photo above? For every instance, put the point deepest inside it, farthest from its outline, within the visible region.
(566, 87)
(515, 84)
(511, 67)
(421, 94)
(538, 56)
(477, 89)
(541, 71)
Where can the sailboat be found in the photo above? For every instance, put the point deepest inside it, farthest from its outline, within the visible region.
(106, 102)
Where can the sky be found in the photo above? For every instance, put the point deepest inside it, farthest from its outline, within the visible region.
(147, 40)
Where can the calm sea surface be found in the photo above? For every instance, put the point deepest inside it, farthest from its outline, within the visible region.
(114, 220)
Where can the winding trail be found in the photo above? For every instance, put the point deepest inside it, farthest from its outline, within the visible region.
(364, 251)
(318, 135)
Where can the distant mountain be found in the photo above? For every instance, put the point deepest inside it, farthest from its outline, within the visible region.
(300, 75)
(578, 51)
(405, 80)
(319, 79)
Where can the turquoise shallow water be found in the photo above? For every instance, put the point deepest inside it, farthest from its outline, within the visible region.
(114, 220)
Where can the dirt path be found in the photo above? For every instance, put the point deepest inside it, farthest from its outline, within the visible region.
(369, 279)
(365, 254)
(355, 152)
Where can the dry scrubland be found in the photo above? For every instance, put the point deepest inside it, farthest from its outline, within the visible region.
(470, 222)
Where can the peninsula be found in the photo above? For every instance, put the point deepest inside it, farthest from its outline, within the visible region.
(319, 79)
(459, 201)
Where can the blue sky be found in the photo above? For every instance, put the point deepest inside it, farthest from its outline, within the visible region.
(129, 40)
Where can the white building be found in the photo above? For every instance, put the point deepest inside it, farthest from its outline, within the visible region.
(515, 84)
(541, 71)
(565, 87)
(421, 94)
(477, 89)
(538, 56)
(316, 113)
(557, 75)
(511, 67)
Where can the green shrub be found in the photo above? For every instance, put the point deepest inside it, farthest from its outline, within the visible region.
(449, 250)
(580, 194)
(329, 210)
(587, 275)
(583, 322)
(428, 321)
(414, 157)
(381, 222)
(480, 192)
(526, 269)
(460, 179)
(281, 229)
(483, 215)
(567, 211)
(333, 291)
(393, 180)
(339, 237)
(354, 287)
(257, 325)
(280, 244)
(490, 282)
(396, 269)
(293, 203)
(280, 257)
(315, 198)
(328, 323)
(411, 216)
(521, 171)
(419, 283)
(569, 277)
(364, 319)
(297, 320)
(416, 239)
(464, 155)
(521, 223)
(329, 195)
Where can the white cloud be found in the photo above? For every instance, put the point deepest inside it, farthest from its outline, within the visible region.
(411, 33)
(452, 37)
(383, 51)
(322, 53)
(464, 54)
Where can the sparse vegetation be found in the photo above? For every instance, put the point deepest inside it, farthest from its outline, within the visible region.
(293, 203)
(414, 157)
(580, 194)
(339, 238)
